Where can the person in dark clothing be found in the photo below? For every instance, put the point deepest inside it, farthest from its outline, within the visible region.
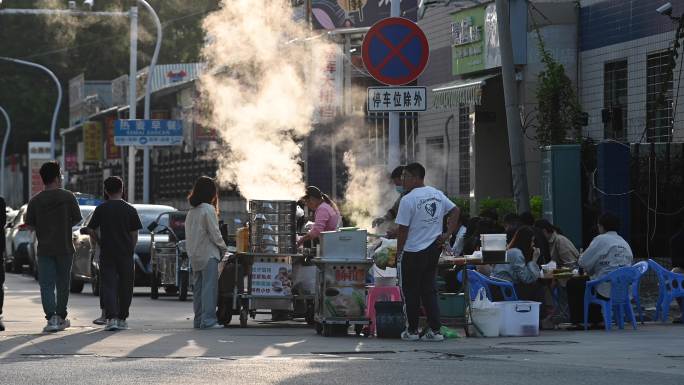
(51, 214)
(511, 223)
(677, 257)
(118, 223)
(540, 240)
(3, 220)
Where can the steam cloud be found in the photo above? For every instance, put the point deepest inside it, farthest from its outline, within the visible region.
(265, 73)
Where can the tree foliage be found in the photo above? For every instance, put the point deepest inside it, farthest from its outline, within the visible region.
(558, 109)
(95, 46)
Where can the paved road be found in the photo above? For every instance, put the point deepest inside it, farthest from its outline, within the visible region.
(162, 348)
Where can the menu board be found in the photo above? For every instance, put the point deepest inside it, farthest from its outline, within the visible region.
(272, 277)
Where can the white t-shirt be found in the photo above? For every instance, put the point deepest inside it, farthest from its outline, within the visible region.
(422, 211)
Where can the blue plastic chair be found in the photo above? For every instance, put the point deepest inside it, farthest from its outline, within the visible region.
(670, 286)
(477, 281)
(620, 281)
(642, 268)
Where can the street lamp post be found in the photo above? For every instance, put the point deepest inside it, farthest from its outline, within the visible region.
(53, 128)
(8, 128)
(133, 15)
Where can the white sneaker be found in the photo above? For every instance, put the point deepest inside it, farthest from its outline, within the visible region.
(112, 325)
(63, 323)
(122, 324)
(432, 336)
(407, 335)
(52, 324)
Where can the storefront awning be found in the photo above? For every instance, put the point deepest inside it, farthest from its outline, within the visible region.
(463, 91)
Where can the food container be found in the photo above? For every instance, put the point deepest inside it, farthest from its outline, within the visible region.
(242, 239)
(343, 245)
(519, 318)
(272, 227)
(451, 304)
(493, 242)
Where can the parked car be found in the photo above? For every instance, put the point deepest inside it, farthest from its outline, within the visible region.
(20, 244)
(86, 266)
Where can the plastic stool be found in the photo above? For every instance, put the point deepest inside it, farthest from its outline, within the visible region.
(380, 294)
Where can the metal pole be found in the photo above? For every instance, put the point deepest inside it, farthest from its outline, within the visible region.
(515, 133)
(148, 89)
(132, 98)
(394, 154)
(55, 114)
(4, 151)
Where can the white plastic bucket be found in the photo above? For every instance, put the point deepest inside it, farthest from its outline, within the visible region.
(493, 242)
(488, 321)
(519, 318)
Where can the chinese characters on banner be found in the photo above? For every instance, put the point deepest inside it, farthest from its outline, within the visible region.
(113, 151)
(271, 279)
(329, 100)
(38, 153)
(402, 99)
(92, 141)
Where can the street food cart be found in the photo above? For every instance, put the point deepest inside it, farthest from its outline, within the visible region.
(170, 262)
(277, 277)
(341, 282)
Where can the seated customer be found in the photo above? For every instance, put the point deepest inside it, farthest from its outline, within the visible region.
(606, 253)
(561, 249)
(522, 269)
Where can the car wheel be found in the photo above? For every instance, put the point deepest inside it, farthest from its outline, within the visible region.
(76, 285)
(17, 268)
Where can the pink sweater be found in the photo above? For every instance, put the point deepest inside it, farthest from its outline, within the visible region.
(326, 220)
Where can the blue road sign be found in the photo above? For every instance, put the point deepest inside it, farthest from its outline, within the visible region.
(152, 132)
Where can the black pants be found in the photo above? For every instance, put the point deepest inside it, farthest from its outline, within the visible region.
(575, 289)
(117, 277)
(418, 272)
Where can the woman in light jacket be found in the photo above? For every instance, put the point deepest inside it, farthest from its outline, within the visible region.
(205, 248)
(522, 269)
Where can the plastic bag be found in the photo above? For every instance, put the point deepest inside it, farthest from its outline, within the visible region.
(386, 254)
(481, 301)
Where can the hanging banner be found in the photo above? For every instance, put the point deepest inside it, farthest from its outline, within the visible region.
(92, 141)
(38, 153)
(333, 14)
(112, 150)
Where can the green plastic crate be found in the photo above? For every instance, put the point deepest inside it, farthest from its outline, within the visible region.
(451, 304)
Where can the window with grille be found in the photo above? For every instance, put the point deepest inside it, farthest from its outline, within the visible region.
(464, 150)
(658, 97)
(615, 99)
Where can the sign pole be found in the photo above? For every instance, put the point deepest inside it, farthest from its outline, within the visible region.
(132, 99)
(393, 155)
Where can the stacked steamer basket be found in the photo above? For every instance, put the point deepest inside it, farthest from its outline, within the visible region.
(273, 227)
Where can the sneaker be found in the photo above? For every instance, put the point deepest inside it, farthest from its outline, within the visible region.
(408, 335)
(63, 323)
(52, 324)
(112, 325)
(2, 326)
(102, 320)
(122, 324)
(432, 336)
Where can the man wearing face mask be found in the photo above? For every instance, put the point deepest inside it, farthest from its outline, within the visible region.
(391, 214)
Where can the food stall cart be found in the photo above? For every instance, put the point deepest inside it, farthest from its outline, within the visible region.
(277, 277)
(341, 282)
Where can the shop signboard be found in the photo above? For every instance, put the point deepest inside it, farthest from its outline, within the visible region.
(71, 162)
(334, 14)
(92, 141)
(149, 132)
(272, 278)
(402, 99)
(112, 150)
(38, 153)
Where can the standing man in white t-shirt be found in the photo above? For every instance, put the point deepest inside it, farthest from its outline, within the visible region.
(420, 241)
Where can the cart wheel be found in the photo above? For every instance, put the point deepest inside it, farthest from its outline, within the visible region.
(244, 314)
(183, 289)
(154, 287)
(319, 328)
(310, 313)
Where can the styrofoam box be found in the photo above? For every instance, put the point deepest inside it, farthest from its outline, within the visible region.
(519, 318)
